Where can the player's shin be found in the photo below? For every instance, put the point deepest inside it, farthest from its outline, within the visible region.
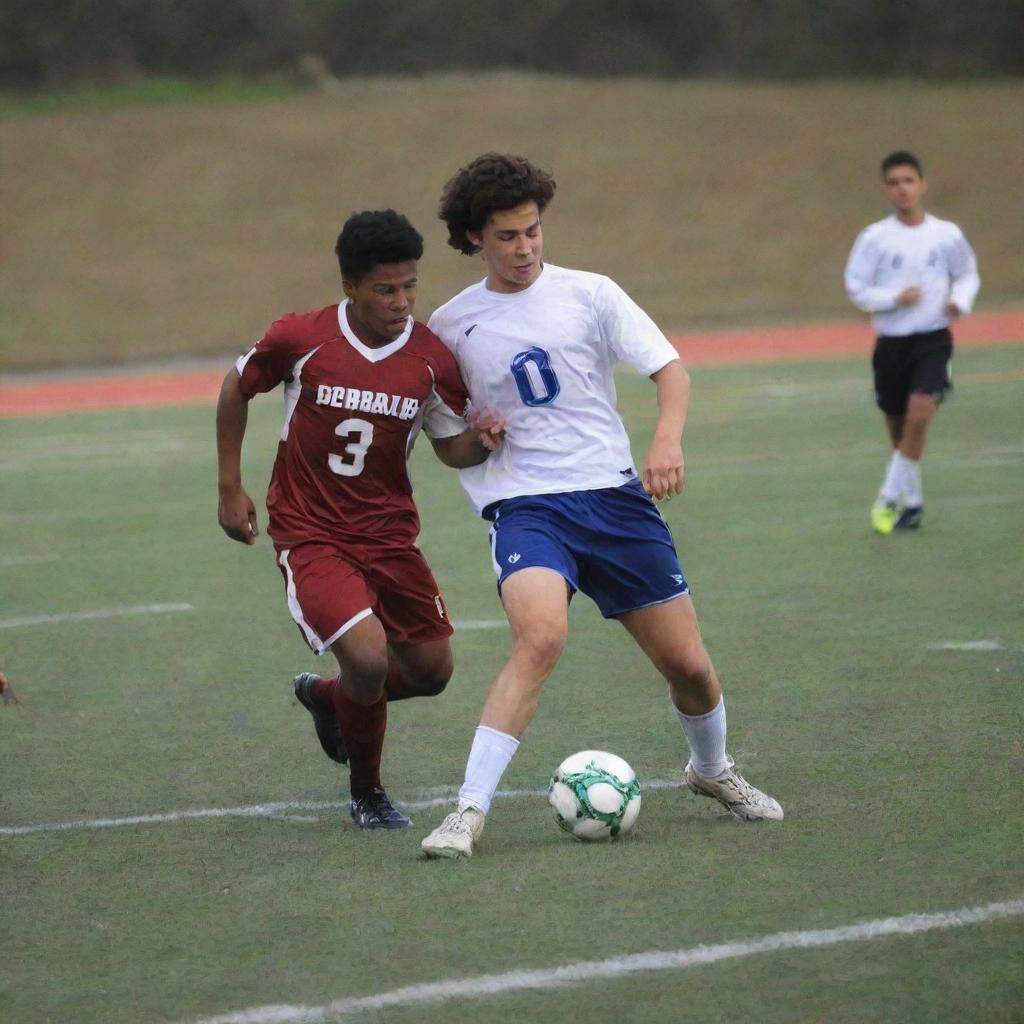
(706, 736)
(362, 727)
(488, 758)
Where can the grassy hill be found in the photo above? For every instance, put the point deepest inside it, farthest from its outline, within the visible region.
(183, 228)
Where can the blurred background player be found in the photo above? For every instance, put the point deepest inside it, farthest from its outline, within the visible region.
(914, 273)
(360, 378)
(537, 344)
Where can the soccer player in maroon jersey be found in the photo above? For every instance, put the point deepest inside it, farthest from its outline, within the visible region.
(361, 378)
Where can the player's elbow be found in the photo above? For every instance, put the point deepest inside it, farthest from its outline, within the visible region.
(460, 452)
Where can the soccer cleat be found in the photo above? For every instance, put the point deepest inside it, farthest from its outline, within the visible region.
(883, 518)
(375, 810)
(324, 719)
(455, 836)
(910, 518)
(732, 790)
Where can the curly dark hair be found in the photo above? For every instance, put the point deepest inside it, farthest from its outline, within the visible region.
(494, 181)
(375, 236)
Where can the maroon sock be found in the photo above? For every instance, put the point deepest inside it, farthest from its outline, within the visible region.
(322, 691)
(361, 728)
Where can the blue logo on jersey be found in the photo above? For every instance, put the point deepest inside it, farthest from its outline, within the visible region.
(535, 379)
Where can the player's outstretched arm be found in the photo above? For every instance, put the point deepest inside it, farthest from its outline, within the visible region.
(235, 511)
(663, 468)
(472, 446)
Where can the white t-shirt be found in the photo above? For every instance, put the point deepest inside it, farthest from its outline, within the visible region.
(542, 359)
(890, 256)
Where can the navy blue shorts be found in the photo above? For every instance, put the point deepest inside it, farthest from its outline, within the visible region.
(610, 543)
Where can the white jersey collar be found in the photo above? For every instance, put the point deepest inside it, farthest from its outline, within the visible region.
(373, 355)
(534, 287)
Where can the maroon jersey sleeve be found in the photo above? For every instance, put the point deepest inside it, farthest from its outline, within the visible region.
(445, 413)
(272, 359)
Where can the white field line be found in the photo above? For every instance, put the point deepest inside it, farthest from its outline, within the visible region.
(478, 623)
(8, 561)
(484, 985)
(95, 613)
(967, 645)
(279, 810)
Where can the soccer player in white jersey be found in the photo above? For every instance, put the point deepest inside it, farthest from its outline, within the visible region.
(537, 345)
(914, 274)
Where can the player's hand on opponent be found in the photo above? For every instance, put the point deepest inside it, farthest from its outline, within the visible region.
(663, 470)
(908, 297)
(237, 515)
(490, 429)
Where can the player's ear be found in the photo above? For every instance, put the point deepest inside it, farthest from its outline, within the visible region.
(349, 288)
(475, 237)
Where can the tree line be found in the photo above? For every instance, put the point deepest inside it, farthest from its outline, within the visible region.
(54, 43)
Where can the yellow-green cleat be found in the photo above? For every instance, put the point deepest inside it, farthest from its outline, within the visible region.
(883, 518)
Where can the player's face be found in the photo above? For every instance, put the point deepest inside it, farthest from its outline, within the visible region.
(382, 301)
(905, 188)
(512, 243)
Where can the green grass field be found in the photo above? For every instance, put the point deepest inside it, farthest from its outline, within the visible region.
(898, 762)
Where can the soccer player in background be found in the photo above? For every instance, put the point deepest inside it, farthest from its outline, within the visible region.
(914, 274)
(360, 380)
(537, 344)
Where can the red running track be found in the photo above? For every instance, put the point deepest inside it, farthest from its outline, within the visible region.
(42, 397)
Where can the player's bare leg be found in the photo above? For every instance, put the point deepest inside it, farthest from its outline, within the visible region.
(921, 410)
(669, 635)
(894, 425)
(536, 603)
(350, 715)
(419, 670)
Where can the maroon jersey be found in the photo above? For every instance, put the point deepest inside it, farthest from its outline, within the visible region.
(351, 416)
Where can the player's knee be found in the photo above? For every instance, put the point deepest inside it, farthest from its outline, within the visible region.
(692, 672)
(543, 647)
(435, 683)
(364, 675)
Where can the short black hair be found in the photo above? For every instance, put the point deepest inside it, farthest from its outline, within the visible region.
(373, 237)
(492, 182)
(901, 158)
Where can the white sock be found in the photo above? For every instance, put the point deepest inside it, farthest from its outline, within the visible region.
(892, 485)
(488, 758)
(706, 736)
(912, 495)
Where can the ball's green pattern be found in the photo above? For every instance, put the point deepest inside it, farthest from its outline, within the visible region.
(580, 782)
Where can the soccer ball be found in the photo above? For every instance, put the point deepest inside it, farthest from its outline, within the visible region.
(595, 795)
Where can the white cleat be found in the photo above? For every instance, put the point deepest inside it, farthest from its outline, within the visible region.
(455, 836)
(733, 791)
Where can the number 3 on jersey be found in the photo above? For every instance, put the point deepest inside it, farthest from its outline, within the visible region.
(536, 380)
(354, 457)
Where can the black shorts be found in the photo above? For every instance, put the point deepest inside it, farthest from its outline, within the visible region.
(911, 364)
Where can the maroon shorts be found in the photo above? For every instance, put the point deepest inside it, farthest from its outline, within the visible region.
(330, 589)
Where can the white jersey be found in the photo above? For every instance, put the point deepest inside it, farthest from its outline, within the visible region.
(890, 256)
(542, 359)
